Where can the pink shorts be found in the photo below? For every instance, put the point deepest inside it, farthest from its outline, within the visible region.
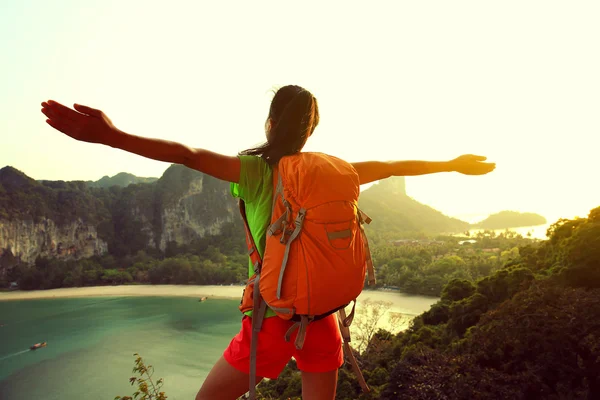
(322, 350)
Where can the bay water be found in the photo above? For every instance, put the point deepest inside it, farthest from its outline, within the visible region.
(91, 341)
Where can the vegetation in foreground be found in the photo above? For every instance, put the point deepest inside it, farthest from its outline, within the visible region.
(529, 330)
(147, 387)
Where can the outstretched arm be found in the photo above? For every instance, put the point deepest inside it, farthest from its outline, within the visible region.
(93, 126)
(467, 164)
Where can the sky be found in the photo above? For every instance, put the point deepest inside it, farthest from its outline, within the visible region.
(516, 81)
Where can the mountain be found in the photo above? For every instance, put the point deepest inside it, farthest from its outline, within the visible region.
(122, 179)
(12, 178)
(72, 220)
(510, 219)
(392, 210)
(65, 220)
(23, 199)
(56, 218)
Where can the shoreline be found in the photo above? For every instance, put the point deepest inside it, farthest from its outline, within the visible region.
(209, 291)
(230, 292)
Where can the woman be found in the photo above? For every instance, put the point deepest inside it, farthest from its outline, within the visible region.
(293, 117)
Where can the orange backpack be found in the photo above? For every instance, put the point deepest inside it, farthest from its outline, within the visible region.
(316, 255)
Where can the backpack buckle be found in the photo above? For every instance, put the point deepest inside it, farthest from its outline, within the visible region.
(300, 218)
(285, 235)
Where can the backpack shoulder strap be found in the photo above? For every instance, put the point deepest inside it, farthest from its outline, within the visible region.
(258, 315)
(259, 305)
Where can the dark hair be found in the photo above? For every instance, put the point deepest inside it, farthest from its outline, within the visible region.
(294, 115)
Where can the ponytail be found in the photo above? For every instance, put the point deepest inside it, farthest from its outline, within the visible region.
(294, 116)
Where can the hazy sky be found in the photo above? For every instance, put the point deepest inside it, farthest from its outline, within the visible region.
(517, 81)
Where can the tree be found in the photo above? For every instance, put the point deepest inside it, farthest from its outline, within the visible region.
(147, 389)
(466, 312)
(457, 289)
(439, 313)
(547, 333)
(369, 315)
(425, 374)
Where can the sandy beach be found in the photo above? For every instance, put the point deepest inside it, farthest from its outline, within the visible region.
(222, 292)
(402, 300)
(405, 304)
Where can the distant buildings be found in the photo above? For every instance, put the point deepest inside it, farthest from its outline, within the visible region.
(494, 250)
(416, 242)
(424, 242)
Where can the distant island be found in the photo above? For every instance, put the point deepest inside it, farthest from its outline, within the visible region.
(510, 219)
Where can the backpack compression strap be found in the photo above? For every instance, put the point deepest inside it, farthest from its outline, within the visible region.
(280, 225)
(344, 323)
(259, 305)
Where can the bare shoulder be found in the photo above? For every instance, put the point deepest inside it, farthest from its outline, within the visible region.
(220, 166)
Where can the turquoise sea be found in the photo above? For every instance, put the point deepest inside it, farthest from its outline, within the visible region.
(91, 342)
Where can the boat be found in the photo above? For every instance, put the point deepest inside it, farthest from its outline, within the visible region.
(38, 345)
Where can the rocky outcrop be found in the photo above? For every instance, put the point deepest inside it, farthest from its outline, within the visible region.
(27, 240)
(70, 220)
(196, 213)
(183, 205)
(392, 210)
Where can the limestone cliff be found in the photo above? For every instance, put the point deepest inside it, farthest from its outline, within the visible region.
(27, 239)
(193, 205)
(181, 223)
(71, 220)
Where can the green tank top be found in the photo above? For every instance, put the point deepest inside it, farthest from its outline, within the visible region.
(256, 189)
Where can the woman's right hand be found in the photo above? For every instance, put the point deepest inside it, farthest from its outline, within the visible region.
(91, 125)
(82, 123)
